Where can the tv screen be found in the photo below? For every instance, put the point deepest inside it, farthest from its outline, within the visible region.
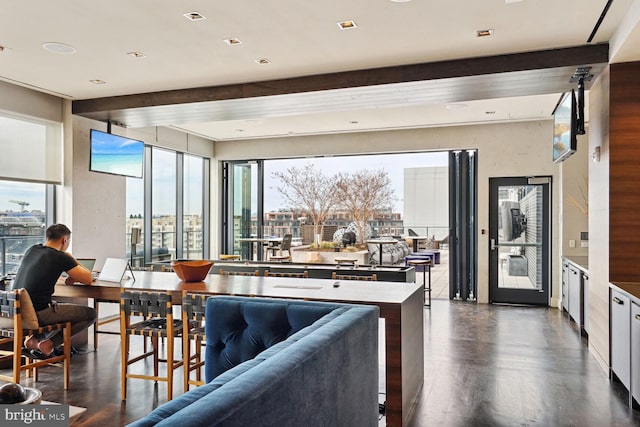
(116, 155)
(565, 128)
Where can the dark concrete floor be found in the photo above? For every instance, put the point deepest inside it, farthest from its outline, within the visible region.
(488, 365)
(485, 365)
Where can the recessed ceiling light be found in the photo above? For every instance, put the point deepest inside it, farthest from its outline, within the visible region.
(232, 41)
(137, 54)
(56, 47)
(347, 25)
(512, 1)
(263, 61)
(193, 16)
(484, 33)
(98, 82)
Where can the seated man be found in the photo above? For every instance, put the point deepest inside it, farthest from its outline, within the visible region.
(39, 271)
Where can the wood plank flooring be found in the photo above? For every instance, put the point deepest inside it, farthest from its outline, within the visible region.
(485, 365)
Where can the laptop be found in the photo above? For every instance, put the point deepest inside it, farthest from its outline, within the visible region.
(113, 270)
(89, 263)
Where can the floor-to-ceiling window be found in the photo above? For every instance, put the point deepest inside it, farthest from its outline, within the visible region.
(23, 219)
(30, 166)
(193, 208)
(163, 202)
(135, 219)
(170, 205)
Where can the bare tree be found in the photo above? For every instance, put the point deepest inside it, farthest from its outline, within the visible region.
(309, 190)
(362, 193)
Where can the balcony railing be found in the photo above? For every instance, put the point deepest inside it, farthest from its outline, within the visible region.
(166, 241)
(12, 249)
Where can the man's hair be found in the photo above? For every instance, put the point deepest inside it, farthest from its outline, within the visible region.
(57, 231)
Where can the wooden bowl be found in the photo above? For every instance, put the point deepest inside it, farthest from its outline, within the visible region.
(192, 271)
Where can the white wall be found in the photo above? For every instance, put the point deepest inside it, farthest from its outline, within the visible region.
(98, 216)
(574, 193)
(599, 221)
(508, 149)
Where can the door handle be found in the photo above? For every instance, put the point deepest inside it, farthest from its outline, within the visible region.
(493, 244)
(618, 301)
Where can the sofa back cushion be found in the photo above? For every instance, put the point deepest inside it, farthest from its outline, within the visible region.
(237, 332)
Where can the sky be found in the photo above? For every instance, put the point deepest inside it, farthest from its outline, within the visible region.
(34, 194)
(394, 164)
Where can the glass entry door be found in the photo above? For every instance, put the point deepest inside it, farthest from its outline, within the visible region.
(519, 240)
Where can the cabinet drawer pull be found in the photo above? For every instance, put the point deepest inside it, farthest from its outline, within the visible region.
(637, 316)
(618, 301)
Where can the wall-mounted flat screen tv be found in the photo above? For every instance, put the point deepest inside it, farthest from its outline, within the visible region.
(116, 155)
(565, 124)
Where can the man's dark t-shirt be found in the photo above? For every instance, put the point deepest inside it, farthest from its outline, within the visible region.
(39, 271)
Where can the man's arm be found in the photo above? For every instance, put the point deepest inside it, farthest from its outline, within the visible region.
(79, 274)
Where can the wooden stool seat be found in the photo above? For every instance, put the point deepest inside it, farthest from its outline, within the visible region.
(226, 257)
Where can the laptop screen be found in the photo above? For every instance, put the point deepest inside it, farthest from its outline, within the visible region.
(113, 269)
(87, 263)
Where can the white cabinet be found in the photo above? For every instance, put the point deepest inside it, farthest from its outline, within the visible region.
(575, 291)
(635, 351)
(575, 294)
(620, 306)
(585, 302)
(565, 291)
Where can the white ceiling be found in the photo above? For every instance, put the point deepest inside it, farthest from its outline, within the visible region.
(299, 39)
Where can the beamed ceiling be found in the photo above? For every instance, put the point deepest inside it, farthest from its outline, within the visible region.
(291, 70)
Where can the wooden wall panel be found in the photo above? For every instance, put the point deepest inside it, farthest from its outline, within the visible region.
(624, 176)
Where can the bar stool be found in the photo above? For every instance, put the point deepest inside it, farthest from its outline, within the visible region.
(425, 264)
(227, 257)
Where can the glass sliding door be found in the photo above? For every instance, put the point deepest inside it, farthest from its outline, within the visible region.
(244, 209)
(462, 226)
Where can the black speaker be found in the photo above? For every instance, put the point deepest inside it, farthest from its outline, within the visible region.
(136, 234)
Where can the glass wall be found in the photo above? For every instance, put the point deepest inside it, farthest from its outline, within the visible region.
(163, 204)
(170, 206)
(192, 207)
(135, 219)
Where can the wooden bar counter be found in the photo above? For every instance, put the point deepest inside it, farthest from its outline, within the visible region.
(400, 305)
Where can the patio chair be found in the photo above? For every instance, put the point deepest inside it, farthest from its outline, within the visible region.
(284, 246)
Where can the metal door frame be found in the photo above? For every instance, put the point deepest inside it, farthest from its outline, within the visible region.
(514, 295)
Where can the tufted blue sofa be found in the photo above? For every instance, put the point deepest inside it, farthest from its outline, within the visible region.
(271, 362)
